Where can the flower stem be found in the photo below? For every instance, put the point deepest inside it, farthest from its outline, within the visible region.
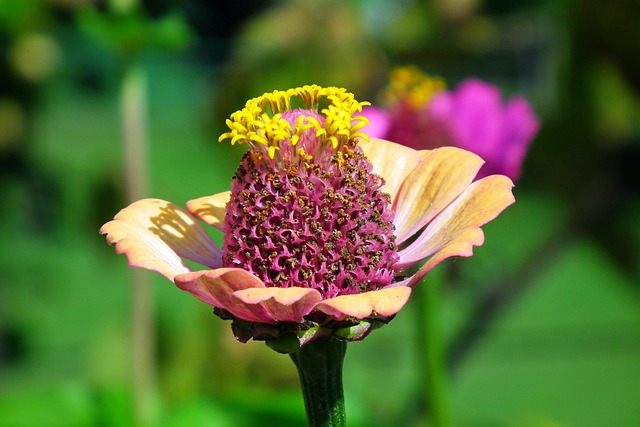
(319, 364)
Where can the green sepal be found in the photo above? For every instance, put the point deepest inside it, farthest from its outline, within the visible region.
(292, 341)
(287, 343)
(358, 332)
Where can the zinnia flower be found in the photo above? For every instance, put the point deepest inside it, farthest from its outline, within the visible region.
(421, 114)
(325, 232)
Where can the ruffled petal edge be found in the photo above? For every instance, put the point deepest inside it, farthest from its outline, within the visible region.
(383, 302)
(155, 234)
(282, 304)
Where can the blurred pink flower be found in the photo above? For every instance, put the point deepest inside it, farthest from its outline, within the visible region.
(481, 123)
(324, 231)
(472, 117)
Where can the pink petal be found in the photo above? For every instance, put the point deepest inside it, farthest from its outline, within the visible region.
(477, 117)
(457, 229)
(520, 127)
(283, 304)
(391, 161)
(441, 105)
(431, 186)
(379, 122)
(383, 302)
(217, 288)
(210, 209)
(481, 123)
(155, 234)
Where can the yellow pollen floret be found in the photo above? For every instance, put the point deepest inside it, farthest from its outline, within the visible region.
(260, 122)
(303, 155)
(410, 85)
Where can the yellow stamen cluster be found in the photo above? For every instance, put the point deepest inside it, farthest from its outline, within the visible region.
(260, 121)
(409, 84)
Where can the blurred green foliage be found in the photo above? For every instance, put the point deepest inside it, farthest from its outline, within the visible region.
(543, 323)
(131, 32)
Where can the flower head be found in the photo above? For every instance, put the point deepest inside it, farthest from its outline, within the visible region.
(472, 117)
(325, 232)
(481, 123)
(404, 117)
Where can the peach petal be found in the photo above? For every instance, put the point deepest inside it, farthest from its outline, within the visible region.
(383, 302)
(457, 229)
(431, 186)
(217, 288)
(156, 234)
(210, 209)
(283, 304)
(391, 161)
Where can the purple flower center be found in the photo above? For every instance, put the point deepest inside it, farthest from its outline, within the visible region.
(313, 216)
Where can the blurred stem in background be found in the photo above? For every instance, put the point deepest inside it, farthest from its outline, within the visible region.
(134, 127)
(126, 30)
(435, 390)
(133, 100)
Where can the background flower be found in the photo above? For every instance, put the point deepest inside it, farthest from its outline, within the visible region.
(477, 120)
(422, 115)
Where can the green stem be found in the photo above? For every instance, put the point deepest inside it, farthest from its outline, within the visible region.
(319, 366)
(435, 378)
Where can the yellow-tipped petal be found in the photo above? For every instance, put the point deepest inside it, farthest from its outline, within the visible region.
(391, 161)
(283, 304)
(384, 302)
(156, 234)
(442, 175)
(456, 230)
(210, 209)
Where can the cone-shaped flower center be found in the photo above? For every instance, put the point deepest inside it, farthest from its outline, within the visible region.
(305, 208)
